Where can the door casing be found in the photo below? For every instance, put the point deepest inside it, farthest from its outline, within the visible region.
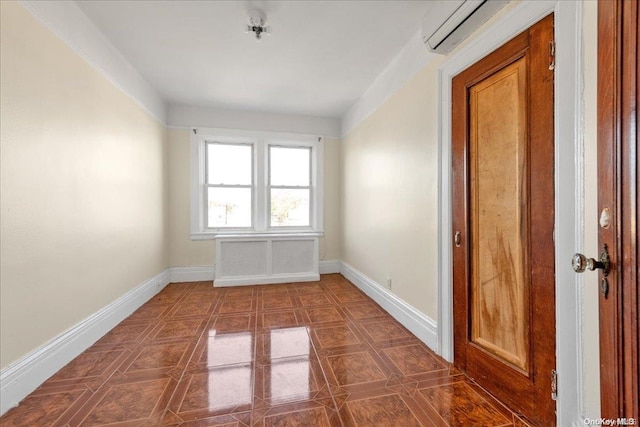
(506, 246)
(569, 204)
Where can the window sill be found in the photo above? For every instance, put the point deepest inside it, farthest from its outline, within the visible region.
(210, 235)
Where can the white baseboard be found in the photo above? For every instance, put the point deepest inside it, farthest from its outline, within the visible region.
(421, 325)
(207, 272)
(330, 266)
(203, 273)
(270, 280)
(22, 377)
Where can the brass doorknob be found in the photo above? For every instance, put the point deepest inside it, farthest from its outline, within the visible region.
(581, 263)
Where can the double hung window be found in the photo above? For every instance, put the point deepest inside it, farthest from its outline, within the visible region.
(290, 186)
(229, 185)
(250, 182)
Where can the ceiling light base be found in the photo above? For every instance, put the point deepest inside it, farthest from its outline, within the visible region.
(257, 20)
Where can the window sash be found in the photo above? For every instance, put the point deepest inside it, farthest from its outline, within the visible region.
(207, 185)
(309, 152)
(306, 226)
(210, 144)
(309, 187)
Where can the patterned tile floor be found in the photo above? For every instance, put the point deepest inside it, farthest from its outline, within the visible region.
(305, 354)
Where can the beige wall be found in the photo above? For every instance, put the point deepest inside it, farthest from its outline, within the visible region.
(83, 188)
(183, 252)
(390, 193)
(330, 243)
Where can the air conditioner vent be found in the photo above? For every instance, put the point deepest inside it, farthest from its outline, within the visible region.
(448, 22)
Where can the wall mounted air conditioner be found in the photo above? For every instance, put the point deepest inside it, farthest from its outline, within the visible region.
(449, 22)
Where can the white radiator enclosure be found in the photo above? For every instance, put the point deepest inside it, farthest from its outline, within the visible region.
(265, 259)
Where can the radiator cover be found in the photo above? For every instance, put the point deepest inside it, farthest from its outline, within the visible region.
(265, 259)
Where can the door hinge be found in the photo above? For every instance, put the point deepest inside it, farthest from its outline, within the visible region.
(552, 55)
(554, 384)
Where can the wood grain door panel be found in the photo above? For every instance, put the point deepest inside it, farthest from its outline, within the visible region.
(499, 228)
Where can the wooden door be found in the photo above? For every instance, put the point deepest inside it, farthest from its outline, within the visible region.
(618, 86)
(503, 219)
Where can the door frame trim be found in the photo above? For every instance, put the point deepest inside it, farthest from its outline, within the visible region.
(569, 196)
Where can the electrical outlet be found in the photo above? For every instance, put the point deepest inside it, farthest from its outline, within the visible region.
(389, 283)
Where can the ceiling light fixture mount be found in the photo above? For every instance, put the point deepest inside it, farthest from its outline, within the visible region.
(257, 20)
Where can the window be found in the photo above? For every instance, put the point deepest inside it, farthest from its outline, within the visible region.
(229, 185)
(251, 182)
(290, 186)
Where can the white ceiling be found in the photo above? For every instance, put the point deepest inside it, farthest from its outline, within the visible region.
(319, 59)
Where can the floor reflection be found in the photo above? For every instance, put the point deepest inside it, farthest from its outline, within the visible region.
(289, 375)
(290, 380)
(230, 386)
(229, 348)
(230, 381)
(289, 342)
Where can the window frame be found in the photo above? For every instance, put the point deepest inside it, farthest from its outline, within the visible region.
(261, 189)
(206, 185)
(269, 186)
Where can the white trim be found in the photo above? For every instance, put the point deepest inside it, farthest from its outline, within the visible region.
(331, 266)
(206, 273)
(417, 322)
(23, 376)
(568, 137)
(272, 279)
(76, 30)
(411, 59)
(203, 273)
(236, 234)
(186, 116)
(569, 223)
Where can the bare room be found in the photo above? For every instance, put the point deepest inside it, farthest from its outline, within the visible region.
(319, 213)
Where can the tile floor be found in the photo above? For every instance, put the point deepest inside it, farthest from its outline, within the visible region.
(306, 354)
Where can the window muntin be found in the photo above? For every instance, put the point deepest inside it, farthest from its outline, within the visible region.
(289, 186)
(229, 185)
